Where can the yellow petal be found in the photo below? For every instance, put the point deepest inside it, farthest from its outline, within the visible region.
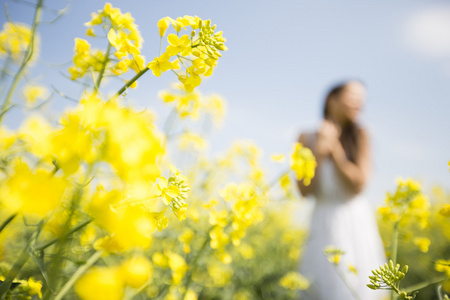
(173, 39)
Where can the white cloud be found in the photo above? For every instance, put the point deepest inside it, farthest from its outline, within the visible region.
(428, 31)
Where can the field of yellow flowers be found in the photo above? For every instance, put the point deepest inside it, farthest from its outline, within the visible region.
(103, 204)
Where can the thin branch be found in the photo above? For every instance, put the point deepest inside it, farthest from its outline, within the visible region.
(64, 95)
(25, 61)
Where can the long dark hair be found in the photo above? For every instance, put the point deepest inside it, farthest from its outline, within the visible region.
(351, 132)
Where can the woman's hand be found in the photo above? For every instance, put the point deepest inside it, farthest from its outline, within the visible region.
(327, 138)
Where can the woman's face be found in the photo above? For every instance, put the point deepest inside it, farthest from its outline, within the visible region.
(347, 105)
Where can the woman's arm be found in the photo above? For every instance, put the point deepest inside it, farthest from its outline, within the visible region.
(354, 174)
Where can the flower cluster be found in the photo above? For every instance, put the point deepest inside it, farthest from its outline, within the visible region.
(197, 51)
(294, 281)
(25, 289)
(85, 59)
(333, 254)
(303, 163)
(174, 192)
(193, 104)
(14, 41)
(89, 190)
(123, 34)
(406, 203)
(111, 282)
(389, 277)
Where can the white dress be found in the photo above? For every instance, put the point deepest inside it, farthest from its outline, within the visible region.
(347, 222)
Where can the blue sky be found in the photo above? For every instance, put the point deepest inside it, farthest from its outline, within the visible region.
(282, 58)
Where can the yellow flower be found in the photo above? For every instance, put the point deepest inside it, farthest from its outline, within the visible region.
(445, 210)
(167, 192)
(121, 42)
(160, 219)
(136, 271)
(178, 266)
(443, 266)
(163, 24)
(34, 93)
(35, 286)
(160, 260)
(294, 281)
(333, 254)
(137, 63)
(285, 183)
(190, 81)
(160, 64)
(129, 225)
(178, 45)
(186, 238)
(190, 295)
(352, 269)
(90, 32)
(215, 105)
(101, 283)
(15, 39)
(189, 140)
(277, 158)
(219, 218)
(303, 163)
(37, 134)
(407, 203)
(220, 273)
(32, 191)
(219, 239)
(422, 243)
(7, 139)
(246, 251)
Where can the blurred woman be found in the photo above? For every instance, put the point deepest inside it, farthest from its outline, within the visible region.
(342, 217)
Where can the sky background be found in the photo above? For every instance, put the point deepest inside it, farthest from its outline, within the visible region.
(283, 57)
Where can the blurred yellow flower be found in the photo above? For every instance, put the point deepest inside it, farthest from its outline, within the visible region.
(445, 210)
(136, 271)
(277, 158)
(15, 39)
(333, 254)
(32, 191)
(101, 283)
(35, 286)
(294, 281)
(422, 243)
(34, 93)
(303, 163)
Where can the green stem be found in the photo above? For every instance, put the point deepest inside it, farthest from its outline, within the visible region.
(102, 71)
(25, 61)
(7, 221)
(5, 68)
(194, 265)
(439, 292)
(394, 247)
(349, 286)
(81, 270)
(18, 264)
(425, 284)
(63, 242)
(69, 233)
(131, 81)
